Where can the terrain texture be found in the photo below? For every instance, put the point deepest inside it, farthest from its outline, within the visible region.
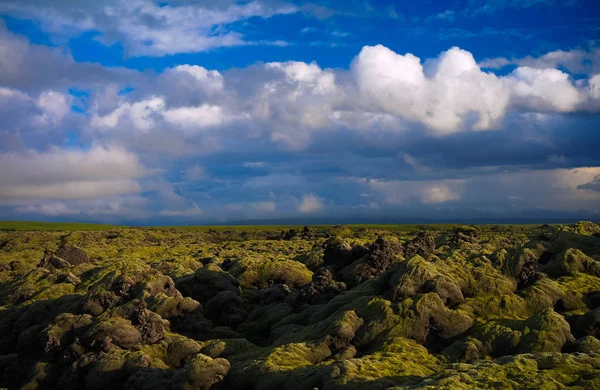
(502, 307)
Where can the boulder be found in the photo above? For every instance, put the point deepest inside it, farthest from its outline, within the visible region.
(73, 254)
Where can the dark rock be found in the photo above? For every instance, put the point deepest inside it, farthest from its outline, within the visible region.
(289, 234)
(587, 324)
(52, 262)
(380, 257)
(225, 308)
(308, 233)
(150, 379)
(423, 245)
(463, 235)
(530, 273)
(274, 294)
(592, 299)
(149, 324)
(321, 289)
(337, 253)
(207, 282)
(72, 254)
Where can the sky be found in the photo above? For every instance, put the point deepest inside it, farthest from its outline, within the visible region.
(219, 111)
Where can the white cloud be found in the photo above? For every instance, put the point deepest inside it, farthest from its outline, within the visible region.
(297, 99)
(576, 61)
(594, 87)
(289, 102)
(145, 27)
(151, 115)
(209, 80)
(70, 190)
(141, 115)
(310, 204)
(454, 87)
(196, 117)
(544, 89)
(54, 105)
(69, 174)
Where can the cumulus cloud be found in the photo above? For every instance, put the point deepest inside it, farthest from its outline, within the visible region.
(295, 100)
(310, 204)
(291, 102)
(196, 117)
(544, 89)
(455, 87)
(69, 174)
(139, 115)
(54, 106)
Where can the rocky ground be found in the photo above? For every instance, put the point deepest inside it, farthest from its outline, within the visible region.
(472, 307)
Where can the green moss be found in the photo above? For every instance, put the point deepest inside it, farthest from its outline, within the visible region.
(257, 272)
(398, 361)
(570, 262)
(432, 322)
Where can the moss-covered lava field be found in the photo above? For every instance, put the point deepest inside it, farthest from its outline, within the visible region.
(451, 307)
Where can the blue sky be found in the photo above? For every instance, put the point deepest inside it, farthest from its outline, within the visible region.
(196, 112)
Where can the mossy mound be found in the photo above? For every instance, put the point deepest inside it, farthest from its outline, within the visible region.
(261, 273)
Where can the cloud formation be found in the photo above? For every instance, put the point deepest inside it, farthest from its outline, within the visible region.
(291, 101)
(147, 28)
(69, 174)
(389, 135)
(310, 204)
